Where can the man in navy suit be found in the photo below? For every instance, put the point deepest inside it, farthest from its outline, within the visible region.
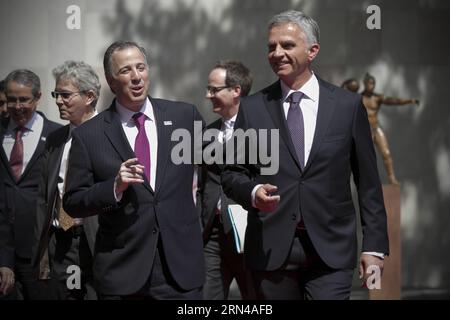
(23, 142)
(149, 242)
(228, 81)
(301, 234)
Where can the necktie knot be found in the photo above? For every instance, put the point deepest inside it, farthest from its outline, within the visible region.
(20, 130)
(139, 119)
(295, 97)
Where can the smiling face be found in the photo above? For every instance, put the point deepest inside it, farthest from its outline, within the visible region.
(224, 101)
(290, 55)
(77, 107)
(130, 79)
(25, 103)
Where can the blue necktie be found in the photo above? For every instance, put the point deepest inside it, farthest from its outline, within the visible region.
(297, 126)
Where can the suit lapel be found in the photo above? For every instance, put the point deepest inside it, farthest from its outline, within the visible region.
(272, 99)
(54, 161)
(3, 156)
(324, 115)
(163, 132)
(39, 149)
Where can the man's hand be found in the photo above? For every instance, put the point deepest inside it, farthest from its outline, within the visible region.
(366, 261)
(130, 172)
(6, 280)
(264, 200)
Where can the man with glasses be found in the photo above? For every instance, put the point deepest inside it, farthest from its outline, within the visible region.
(228, 81)
(61, 241)
(149, 242)
(23, 142)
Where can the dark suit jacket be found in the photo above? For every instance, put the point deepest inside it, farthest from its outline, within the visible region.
(211, 192)
(128, 231)
(48, 193)
(320, 193)
(21, 195)
(6, 231)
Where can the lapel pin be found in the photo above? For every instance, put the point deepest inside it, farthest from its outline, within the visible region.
(168, 123)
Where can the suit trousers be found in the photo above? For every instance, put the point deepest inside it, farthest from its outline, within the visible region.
(70, 248)
(223, 264)
(304, 276)
(160, 284)
(27, 286)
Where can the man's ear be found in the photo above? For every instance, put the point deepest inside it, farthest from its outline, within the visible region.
(38, 96)
(237, 91)
(313, 51)
(90, 97)
(110, 83)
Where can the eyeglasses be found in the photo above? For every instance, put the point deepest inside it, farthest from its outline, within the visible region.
(65, 95)
(22, 101)
(213, 90)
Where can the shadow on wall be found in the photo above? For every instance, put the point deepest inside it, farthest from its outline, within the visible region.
(185, 37)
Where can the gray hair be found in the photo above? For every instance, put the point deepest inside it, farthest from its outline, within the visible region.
(81, 75)
(236, 74)
(307, 24)
(118, 46)
(27, 78)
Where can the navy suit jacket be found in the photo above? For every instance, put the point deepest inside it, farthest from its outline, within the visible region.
(211, 191)
(129, 230)
(320, 193)
(21, 195)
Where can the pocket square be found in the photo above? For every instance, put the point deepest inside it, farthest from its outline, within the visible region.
(168, 123)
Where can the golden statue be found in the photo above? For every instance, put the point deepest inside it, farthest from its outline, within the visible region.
(351, 85)
(373, 101)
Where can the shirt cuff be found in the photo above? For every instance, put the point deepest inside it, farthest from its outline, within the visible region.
(253, 195)
(117, 196)
(376, 254)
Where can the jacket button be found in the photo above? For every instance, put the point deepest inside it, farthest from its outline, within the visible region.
(294, 217)
(154, 231)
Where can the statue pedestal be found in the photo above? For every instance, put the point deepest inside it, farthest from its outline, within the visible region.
(391, 281)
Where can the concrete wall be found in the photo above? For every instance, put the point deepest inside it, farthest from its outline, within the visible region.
(409, 57)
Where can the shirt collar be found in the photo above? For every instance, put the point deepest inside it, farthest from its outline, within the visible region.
(230, 122)
(310, 89)
(29, 125)
(72, 126)
(126, 114)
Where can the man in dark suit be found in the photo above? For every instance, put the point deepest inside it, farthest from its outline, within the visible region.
(149, 241)
(301, 234)
(23, 142)
(228, 81)
(6, 246)
(61, 242)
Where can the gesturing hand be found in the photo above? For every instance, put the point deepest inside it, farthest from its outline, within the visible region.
(130, 172)
(264, 200)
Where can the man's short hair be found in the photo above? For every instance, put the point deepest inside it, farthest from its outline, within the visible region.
(27, 78)
(307, 24)
(118, 46)
(236, 74)
(81, 75)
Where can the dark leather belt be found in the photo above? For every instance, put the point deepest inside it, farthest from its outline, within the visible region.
(74, 231)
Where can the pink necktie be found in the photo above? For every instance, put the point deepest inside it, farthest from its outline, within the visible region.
(141, 144)
(16, 159)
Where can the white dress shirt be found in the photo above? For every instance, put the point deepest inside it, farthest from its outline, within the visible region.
(63, 170)
(309, 106)
(30, 138)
